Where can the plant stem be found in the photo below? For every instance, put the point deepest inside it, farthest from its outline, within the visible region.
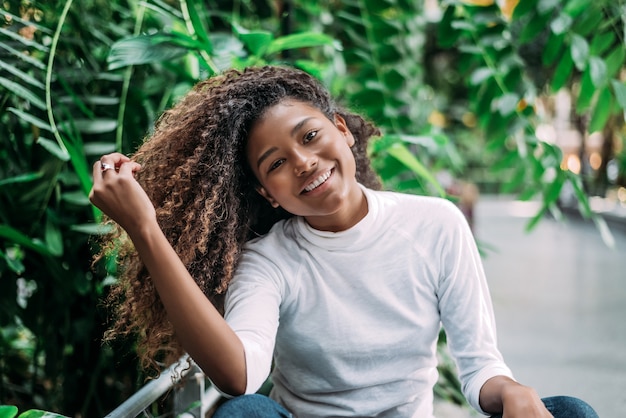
(184, 7)
(53, 48)
(126, 85)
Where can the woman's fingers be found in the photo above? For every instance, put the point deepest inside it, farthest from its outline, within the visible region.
(109, 162)
(116, 192)
(115, 159)
(129, 168)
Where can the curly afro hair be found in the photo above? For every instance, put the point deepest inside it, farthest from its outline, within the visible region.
(195, 171)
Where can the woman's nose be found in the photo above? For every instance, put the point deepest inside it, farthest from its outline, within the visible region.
(304, 162)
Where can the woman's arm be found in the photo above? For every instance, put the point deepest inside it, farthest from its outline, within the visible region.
(468, 318)
(501, 394)
(199, 326)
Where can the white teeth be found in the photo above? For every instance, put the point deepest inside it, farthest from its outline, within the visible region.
(321, 179)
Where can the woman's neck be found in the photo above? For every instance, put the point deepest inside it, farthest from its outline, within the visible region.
(352, 213)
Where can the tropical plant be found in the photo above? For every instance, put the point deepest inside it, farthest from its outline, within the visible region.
(10, 411)
(57, 106)
(512, 56)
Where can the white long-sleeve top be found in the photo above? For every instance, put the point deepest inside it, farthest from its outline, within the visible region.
(351, 318)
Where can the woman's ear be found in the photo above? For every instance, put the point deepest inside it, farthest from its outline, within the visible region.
(261, 190)
(341, 124)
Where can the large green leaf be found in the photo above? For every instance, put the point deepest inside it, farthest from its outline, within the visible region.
(463, 25)
(580, 51)
(601, 42)
(586, 92)
(98, 148)
(524, 7)
(614, 61)
(589, 21)
(534, 28)
(36, 413)
(13, 235)
(27, 117)
(602, 111)
(575, 7)
(301, 40)
(507, 103)
(24, 40)
(480, 75)
(8, 411)
(29, 79)
(195, 23)
(597, 71)
(24, 57)
(257, 42)
(619, 89)
(79, 162)
(402, 154)
(145, 49)
(93, 229)
(53, 148)
(163, 8)
(95, 126)
(447, 36)
(22, 178)
(561, 24)
(78, 198)
(553, 191)
(53, 238)
(553, 49)
(547, 6)
(562, 72)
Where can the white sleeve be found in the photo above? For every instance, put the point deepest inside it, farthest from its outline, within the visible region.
(466, 311)
(252, 310)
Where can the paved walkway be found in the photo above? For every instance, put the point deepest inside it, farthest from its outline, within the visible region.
(559, 295)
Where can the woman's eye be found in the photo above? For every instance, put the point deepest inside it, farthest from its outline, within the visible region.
(276, 164)
(309, 136)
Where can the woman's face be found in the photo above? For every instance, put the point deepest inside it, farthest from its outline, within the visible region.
(304, 164)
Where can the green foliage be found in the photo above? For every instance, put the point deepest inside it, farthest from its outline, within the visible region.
(51, 355)
(9, 411)
(509, 61)
(206, 53)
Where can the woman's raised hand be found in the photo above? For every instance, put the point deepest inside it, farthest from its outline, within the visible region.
(200, 328)
(116, 192)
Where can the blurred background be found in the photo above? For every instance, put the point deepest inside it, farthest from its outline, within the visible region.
(558, 295)
(513, 110)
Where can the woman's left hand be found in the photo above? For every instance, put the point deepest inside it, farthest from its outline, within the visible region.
(501, 394)
(521, 401)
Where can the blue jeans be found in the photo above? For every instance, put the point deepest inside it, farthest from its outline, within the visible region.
(260, 406)
(251, 406)
(566, 407)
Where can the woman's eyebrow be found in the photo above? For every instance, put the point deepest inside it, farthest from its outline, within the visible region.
(264, 156)
(299, 125)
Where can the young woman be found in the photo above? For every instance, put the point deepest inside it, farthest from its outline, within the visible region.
(252, 234)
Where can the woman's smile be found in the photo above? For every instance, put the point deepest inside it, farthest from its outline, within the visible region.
(318, 182)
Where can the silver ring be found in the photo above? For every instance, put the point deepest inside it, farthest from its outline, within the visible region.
(104, 167)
